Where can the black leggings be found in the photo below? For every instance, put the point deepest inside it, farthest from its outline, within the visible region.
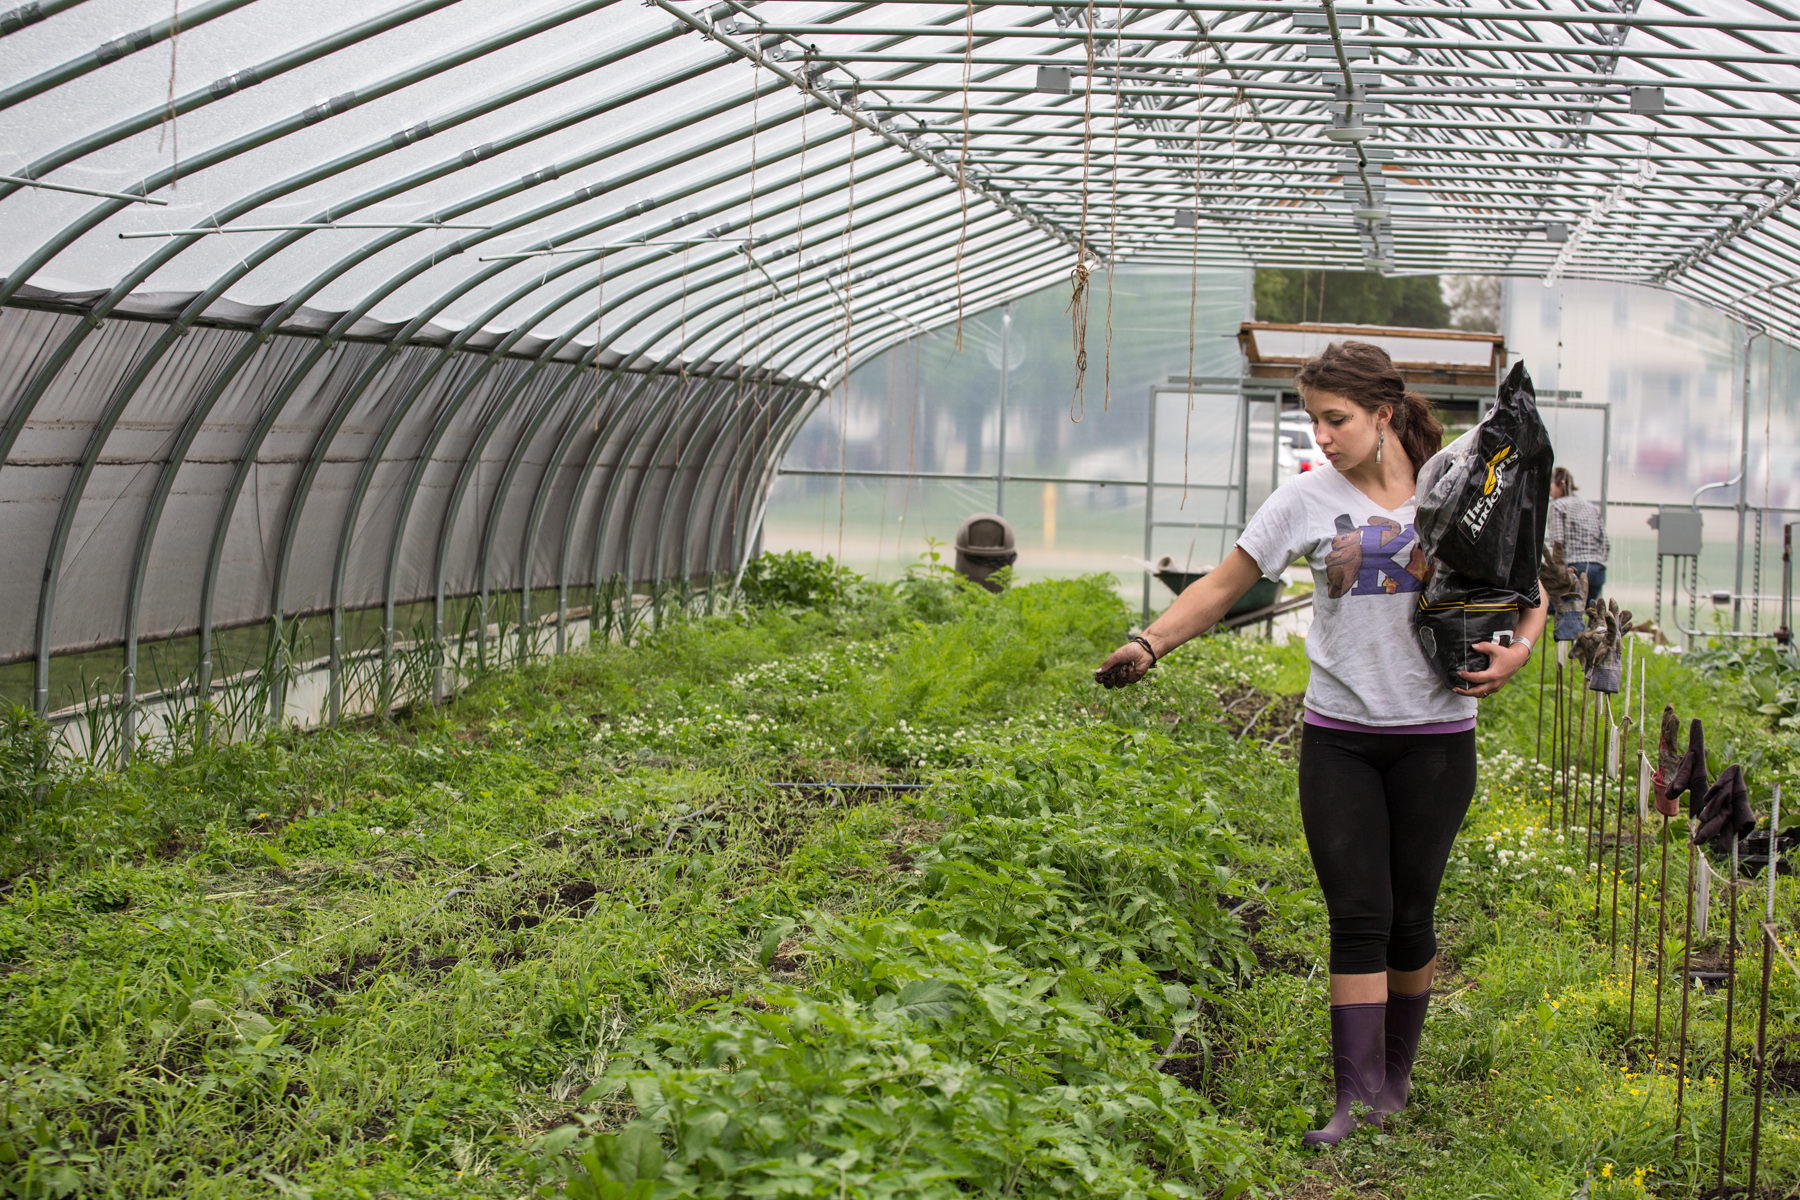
(1381, 811)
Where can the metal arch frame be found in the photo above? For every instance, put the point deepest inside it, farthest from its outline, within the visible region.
(826, 330)
(1711, 277)
(829, 316)
(218, 90)
(112, 51)
(398, 412)
(52, 369)
(368, 250)
(625, 405)
(172, 465)
(579, 490)
(716, 257)
(596, 450)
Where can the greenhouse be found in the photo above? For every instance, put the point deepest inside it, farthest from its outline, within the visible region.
(491, 699)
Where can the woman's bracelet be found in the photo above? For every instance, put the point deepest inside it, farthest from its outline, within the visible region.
(1143, 641)
(1519, 637)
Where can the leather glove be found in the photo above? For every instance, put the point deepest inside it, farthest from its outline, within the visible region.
(1667, 759)
(1554, 573)
(1591, 642)
(1604, 675)
(1567, 592)
(1689, 774)
(1725, 814)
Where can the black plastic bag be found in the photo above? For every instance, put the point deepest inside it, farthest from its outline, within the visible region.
(1454, 614)
(1484, 499)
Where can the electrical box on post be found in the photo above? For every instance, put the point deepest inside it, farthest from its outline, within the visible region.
(1677, 530)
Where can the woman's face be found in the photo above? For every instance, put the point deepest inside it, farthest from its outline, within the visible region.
(1346, 431)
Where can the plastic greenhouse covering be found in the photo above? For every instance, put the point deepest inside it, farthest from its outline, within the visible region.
(319, 309)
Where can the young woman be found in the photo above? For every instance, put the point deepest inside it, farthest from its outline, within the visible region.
(1387, 754)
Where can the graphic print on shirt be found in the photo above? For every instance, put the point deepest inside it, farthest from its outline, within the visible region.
(1382, 558)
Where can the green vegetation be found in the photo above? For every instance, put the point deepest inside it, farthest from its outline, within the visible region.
(1290, 295)
(658, 920)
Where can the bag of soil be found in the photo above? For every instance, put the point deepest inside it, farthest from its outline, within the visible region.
(1484, 499)
(1455, 614)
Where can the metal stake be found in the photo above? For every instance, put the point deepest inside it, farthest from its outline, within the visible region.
(1731, 891)
(1687, 958)
(1762, 1030)
(1597, 838)
(1662, 933)
(1571, 788)
(1556, 745)
(1537, 755)
(1637, 884)
(1618, 845)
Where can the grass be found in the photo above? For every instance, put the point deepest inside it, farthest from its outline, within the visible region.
(567, 934)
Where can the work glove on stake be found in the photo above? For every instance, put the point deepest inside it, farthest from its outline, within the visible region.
(1567, 592)
(1689, 774)
(1608, 663)
(1667, 759)
(1590, 643)
(1725, 814)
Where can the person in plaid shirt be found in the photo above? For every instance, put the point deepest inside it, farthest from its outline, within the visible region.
(1576, 523)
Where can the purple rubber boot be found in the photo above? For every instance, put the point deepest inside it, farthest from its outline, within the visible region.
(1358, 1064)
(1405, 1021)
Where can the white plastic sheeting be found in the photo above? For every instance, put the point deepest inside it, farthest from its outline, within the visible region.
(311, 307)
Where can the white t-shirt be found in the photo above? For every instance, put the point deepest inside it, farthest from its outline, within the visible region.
(1367, 665)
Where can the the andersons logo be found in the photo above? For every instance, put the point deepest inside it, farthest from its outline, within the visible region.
(1475, 517)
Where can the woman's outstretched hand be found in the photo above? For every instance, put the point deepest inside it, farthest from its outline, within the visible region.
(1503, 663)
(1124, 666)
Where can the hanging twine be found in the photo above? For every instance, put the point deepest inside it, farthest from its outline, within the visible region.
(1078, 314)
(1112, 235)
(1078, 300)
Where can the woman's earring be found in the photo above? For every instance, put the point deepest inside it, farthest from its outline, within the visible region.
(1379, 445)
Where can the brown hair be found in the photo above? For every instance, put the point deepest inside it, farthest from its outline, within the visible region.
(1562, 479)
(1365, 375)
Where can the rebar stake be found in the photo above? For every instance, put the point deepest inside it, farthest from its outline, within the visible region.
(1762, 1031)
(1597, 838)
(1571, 790)
(1662, 933)
(1637, 886)
(1537, 755)
(1731, 891)
(1687, 957)
(1558, 745)
(1619, 848)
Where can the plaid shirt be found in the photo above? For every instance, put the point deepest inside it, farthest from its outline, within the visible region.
(1576, 524)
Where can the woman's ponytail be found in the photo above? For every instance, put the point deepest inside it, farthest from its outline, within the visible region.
(1418, 428)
